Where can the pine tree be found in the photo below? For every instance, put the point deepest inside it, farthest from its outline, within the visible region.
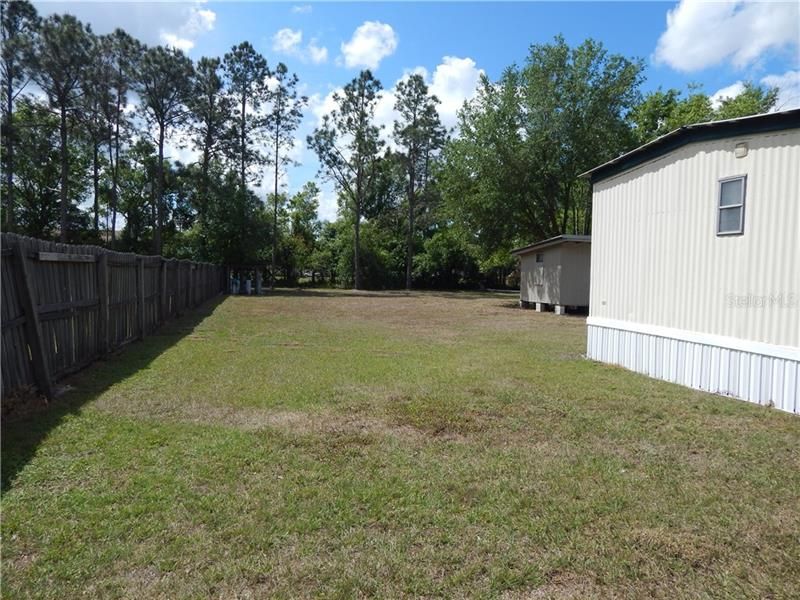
(247, 74)
(163, 83)
(281, 122)
(60, 55)
(18, 25)
(348, 145)
(419, 133)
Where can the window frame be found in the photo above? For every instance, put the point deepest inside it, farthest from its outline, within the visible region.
(740, 206)
(536, 258)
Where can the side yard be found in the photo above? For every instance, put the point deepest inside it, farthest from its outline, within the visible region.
(349, 444)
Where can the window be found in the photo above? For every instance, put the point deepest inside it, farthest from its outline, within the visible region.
(730, 219)
(539, 257)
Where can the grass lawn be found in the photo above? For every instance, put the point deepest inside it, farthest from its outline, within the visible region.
(387, 444)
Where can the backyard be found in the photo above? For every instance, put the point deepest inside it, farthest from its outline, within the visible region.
(345, 444)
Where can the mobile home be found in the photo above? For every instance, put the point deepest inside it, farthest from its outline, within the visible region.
(695, 268)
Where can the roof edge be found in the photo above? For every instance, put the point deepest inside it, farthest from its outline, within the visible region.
(696, 132)
(553, 241)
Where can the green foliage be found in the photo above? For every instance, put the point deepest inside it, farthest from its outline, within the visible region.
(420, 135)
(246, 73)
(511, 175)
(430, 212)
(661, 112)
(38, 174)
(753, 100)
(236, 229)
(348, 146)
(280, 125)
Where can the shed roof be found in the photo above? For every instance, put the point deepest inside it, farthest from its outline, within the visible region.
(553, 241)
(697, 132)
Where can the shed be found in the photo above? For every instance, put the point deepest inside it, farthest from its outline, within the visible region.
(555, 273)
(695, 273)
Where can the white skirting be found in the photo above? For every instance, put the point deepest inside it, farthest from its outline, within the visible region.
(757, 372)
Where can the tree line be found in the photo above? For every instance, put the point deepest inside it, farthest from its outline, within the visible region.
(86, 119)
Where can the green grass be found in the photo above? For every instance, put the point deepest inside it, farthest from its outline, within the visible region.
(388, 444)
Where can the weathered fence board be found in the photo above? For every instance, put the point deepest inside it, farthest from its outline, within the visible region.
(66, 306)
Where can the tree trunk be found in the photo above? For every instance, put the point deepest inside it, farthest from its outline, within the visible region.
(96, 184)
(356, 267)
(9, 157)
(115, 171)
(243, 165)
(357, 241)
(410, 239)
(275, 207)
(159, 193)
(112, 205)
(64, 174)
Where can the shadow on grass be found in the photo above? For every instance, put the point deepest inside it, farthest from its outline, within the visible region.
(21, 435)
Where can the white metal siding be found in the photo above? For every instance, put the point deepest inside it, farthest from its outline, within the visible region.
(656, 258)
(766, 380)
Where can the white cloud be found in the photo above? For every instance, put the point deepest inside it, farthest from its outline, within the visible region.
(302, 10)
(328, 202)
(179, 24)
(289, 41)
(372, 41)
(454, 81)
(317, 54)
(321, 106)
(703, 34)
(198, 22)
(789, 84)
(726, 93)
(173, 41)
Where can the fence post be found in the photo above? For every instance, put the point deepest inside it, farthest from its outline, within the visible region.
(32, 324)
(140, 295)
(190, 300)
(163, 279)
(102, 296)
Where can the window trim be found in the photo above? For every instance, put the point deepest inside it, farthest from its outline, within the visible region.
(741, 205)
(539, 254)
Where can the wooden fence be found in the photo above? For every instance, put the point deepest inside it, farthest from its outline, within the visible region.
(65, 306)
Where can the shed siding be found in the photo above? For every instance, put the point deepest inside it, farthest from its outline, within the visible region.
(575, 265)
(656, 257)
(541, 282)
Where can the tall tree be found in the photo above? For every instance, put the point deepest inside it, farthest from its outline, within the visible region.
(247, 75)
(663, 111)
(163, 83)
(18, 24)
(419, 133)
(511, 176)
(95, 84)
(118, 55)
(752, 100)
(651, 117)
(282, 121)
(60, 54)
(39, 172)
(211, 109)
(348, 145)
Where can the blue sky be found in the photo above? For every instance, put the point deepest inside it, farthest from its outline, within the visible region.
(717, 45)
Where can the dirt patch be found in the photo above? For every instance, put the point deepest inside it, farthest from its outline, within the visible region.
(560, 586)
(258, 419)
